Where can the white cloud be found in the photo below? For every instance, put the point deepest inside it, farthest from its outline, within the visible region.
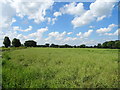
(79, 34)
(56, 36)
(116, 33)
(17, 28)
(62, 38)
(91, 42)
(101, 18)
(73, 9)
(91, 26)
(53, 20)
(70, 39)
(35, 10)
(13, 20)
(98, 11)
(69, 33)
(102, 9)
(109, 28)
(28, 29)
(6, 14)
(85, 35)
(56, 14)
(49, 20)
(85, 19)
(38, 33)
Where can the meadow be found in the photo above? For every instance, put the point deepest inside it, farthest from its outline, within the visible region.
(60, 68)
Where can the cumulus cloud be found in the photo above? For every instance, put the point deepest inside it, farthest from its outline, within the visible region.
(91, 26)
(91, 42)
(85, 19)
(85, 35)
(17, 28)
(13, 20)
(116, 33)
(62, 38)
(56, 36)
(35, 10)
(56, 14)
(6, 14)
(73, 9)
(69, 33)
(104, 30)
(38, 33)
(79, 34)
(53, 20)
(70, 39)
(101, 18)
(98, 11)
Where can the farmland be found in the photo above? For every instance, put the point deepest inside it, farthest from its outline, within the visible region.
(60, 68)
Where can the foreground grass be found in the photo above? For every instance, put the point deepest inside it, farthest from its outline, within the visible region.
(60, 68)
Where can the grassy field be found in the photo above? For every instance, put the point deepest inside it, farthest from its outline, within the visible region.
(60, 68)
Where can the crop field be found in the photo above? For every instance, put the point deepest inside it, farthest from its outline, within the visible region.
(60, 68)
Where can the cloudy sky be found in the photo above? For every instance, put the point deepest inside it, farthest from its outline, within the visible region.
(71, 23)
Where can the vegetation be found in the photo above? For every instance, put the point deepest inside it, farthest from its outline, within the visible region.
(31, 43)
(6, 42)
(60, 68)
(16, 42)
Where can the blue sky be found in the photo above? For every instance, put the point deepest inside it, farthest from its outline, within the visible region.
(71, 23)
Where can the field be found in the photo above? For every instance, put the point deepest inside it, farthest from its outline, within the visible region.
(60, 68)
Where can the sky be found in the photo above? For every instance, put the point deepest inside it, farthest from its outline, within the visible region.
(48, 21)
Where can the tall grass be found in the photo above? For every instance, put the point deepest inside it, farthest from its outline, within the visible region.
(60, 68)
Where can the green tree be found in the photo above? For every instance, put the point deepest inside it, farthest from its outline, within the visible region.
(16, 42)
(104, 45)
(111, 44)
(6, 42)
(52, 45)
(82, 46)
(30, 43)
(99, 45)
(117, 44)
(47, 44)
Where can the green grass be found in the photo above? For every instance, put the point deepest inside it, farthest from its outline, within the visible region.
(60, 68)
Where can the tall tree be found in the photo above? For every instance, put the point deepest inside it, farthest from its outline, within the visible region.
(99, 45)
(111, 44)
(30, 43)
(16, 42)
(117, 44)
(47, 44)
(105, 45)
(6, 42)
(82, 46)
(52, 45)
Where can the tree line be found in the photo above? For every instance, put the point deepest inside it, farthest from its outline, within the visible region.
(30, 43)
